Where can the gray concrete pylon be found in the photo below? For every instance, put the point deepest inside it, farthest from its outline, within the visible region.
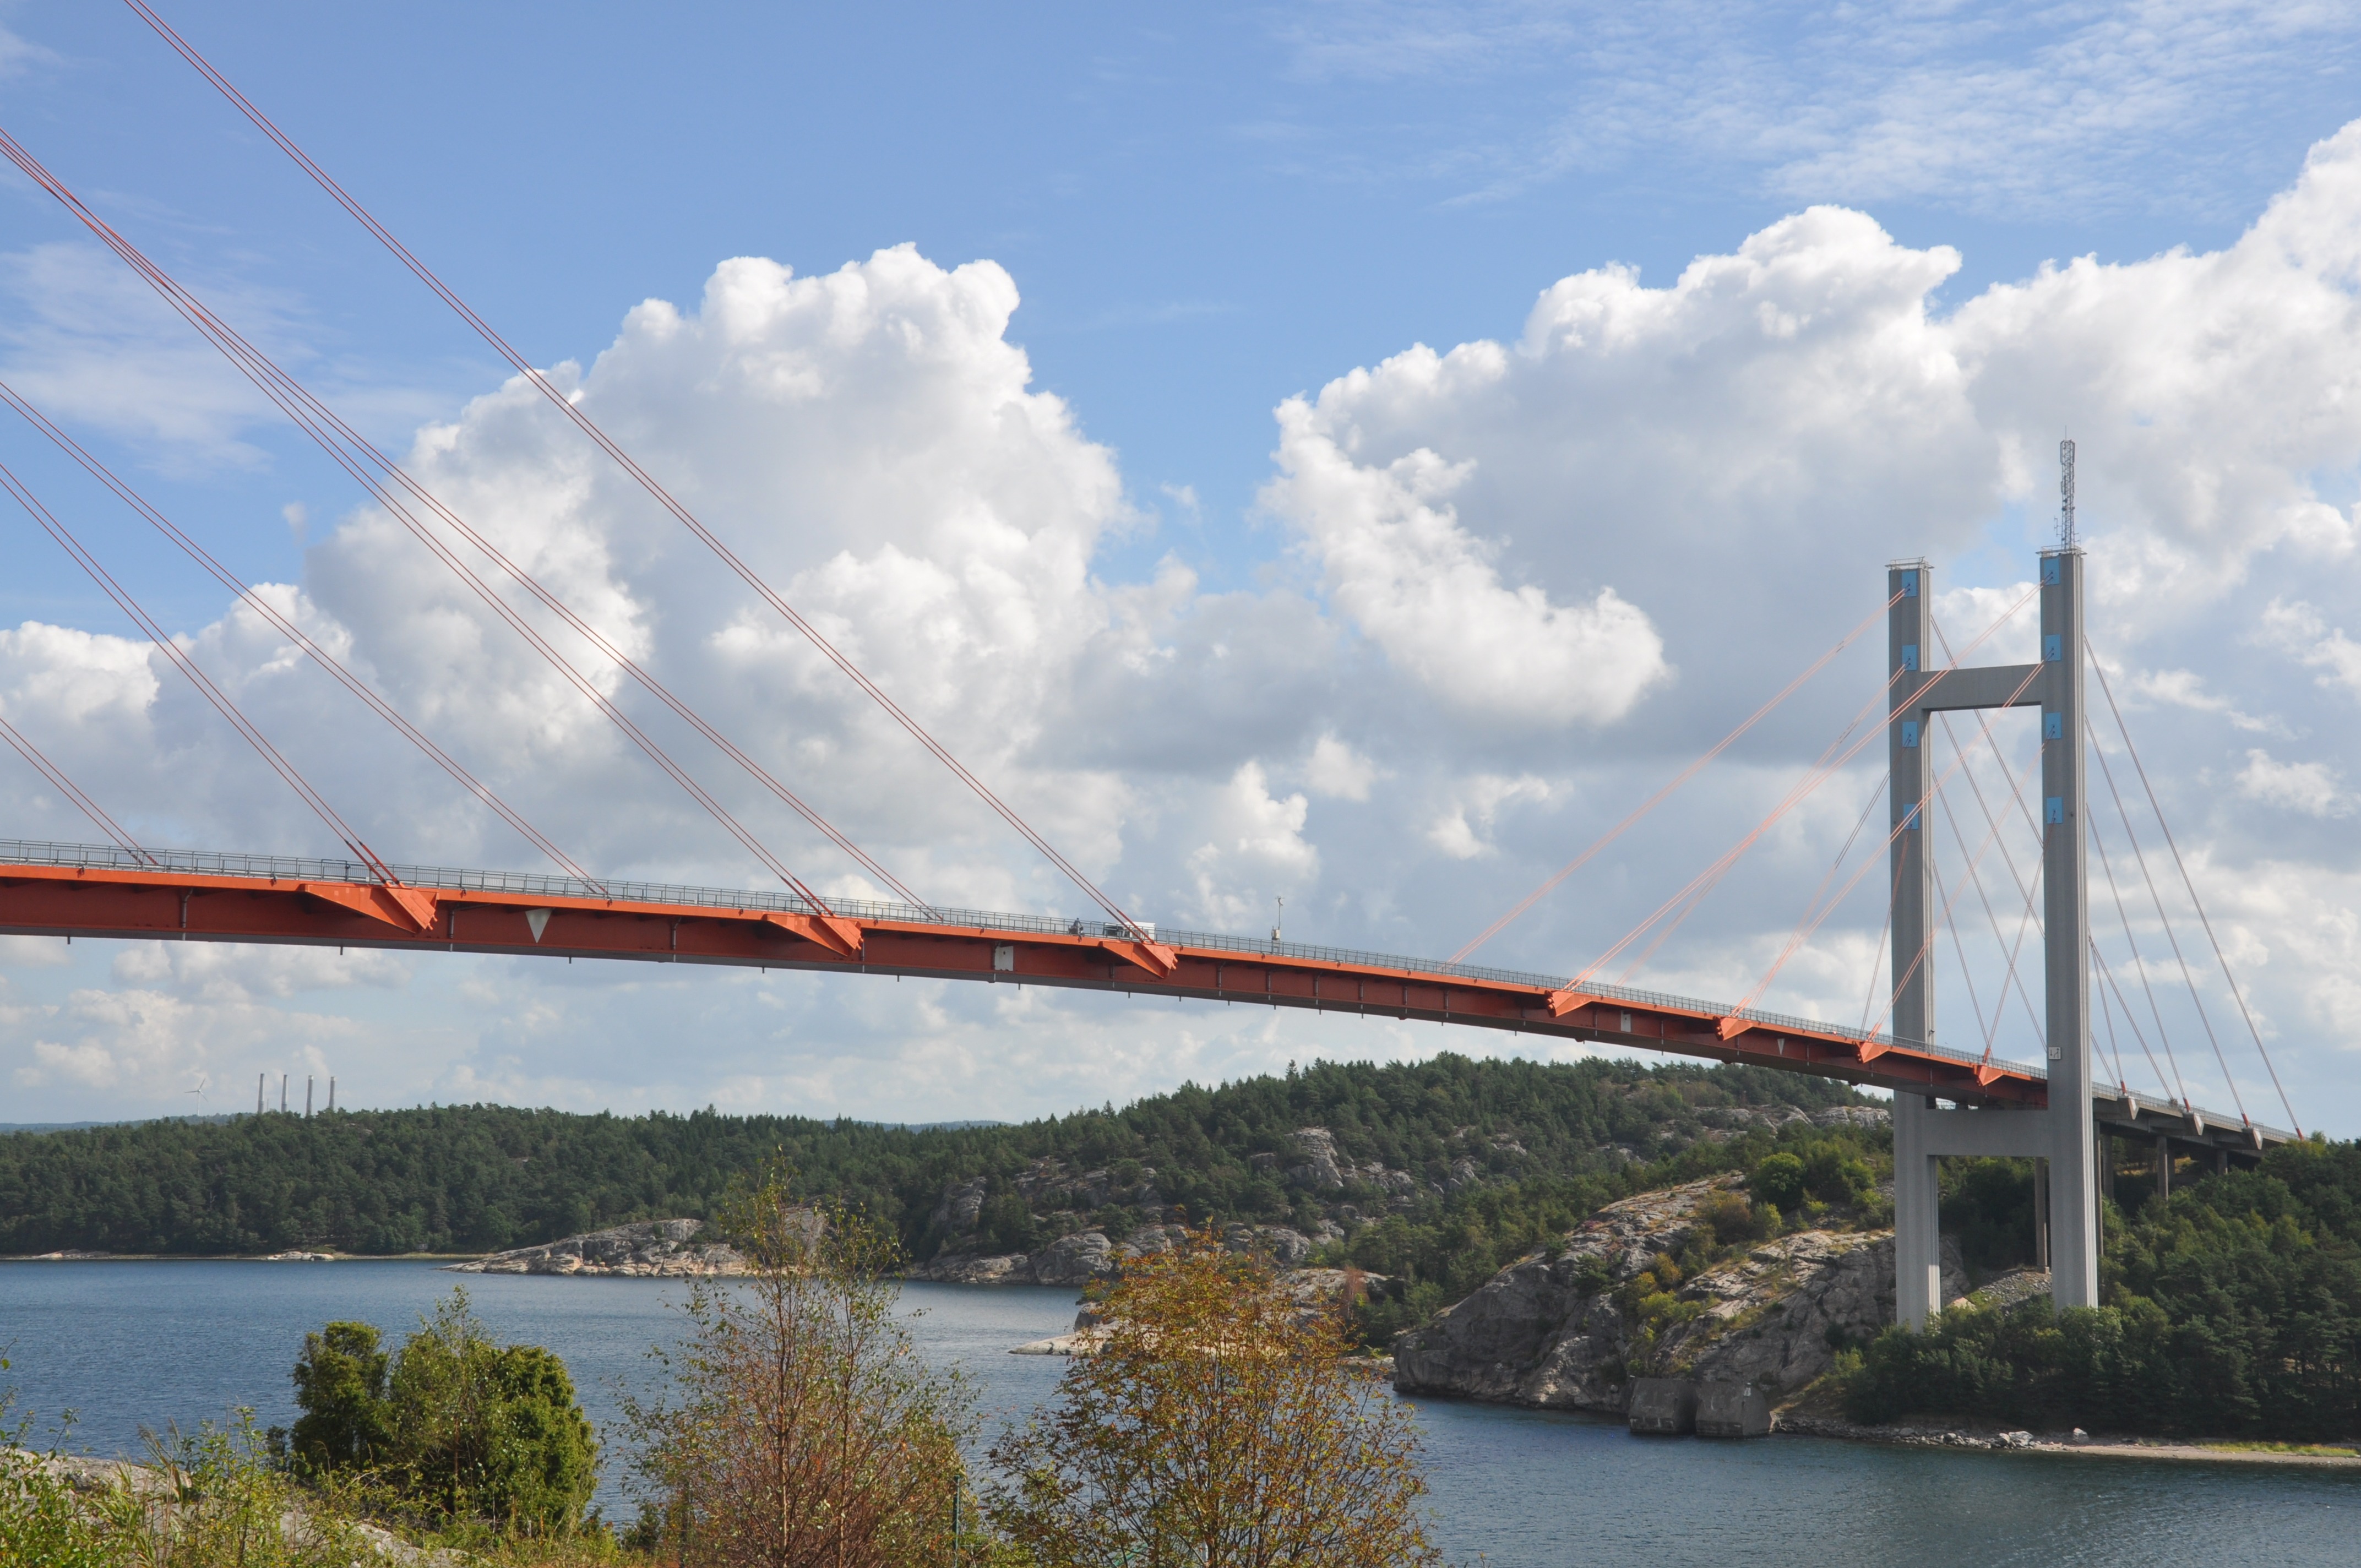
(2066, 938)
(1917, 1236)
(2066, 1133)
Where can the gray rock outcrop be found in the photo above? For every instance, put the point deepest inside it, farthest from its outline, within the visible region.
(1557, 1329)
(1075, 1260)
(87, 1482)
(1082, 1257)
(974, 1268)
(963, 1206)
(655, 1249)
(1314, 1289)
(1316, 1166)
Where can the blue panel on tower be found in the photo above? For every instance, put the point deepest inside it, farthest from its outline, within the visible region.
(1910, 655)
(1910, 732)
(1910, 584)
(2049, 572)
(2053, 727)
(2053, 809)
(2053, 647)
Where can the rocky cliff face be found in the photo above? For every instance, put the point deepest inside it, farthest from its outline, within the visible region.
(1564, 1329)
(664, 1249)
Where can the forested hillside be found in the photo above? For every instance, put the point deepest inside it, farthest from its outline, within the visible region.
(1414, 1144)
(2233, 1307)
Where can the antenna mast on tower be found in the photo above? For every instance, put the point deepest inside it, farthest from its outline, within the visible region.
(2065, 495)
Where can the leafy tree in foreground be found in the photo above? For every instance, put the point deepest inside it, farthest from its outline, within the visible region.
(1218, 1424)
(807, 1430)
(340, 1388)
(490, 1433)
(468, 1432)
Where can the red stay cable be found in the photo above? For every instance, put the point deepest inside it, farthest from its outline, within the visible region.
(1818, 775)
(197, 677)
(1927, 943)
(333, 437)
(624, 459)
(70, 790)
(1811, 924)
(1698, 891)
(1671, 785)
(294, 633)
(2187, 881)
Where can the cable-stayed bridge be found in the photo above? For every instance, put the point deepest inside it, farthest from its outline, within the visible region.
(1947, 1101)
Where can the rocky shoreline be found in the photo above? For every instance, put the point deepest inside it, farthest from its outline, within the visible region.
(1957, 1436)
(652, 1249)
(1088, 1257)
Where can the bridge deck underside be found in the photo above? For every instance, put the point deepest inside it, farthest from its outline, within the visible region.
(102, 903)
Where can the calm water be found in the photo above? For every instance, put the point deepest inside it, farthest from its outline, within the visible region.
(128, 1344)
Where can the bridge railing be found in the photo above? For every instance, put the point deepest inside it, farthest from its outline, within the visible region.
(530, 884)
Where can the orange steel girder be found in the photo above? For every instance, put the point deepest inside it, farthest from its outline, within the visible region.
(94, 902)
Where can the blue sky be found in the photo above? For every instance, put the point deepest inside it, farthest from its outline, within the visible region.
(1202, 218)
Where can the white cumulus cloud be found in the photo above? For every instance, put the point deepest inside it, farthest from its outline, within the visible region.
(1523, 582)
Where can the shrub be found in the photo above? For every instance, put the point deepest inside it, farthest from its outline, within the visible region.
(807, 1430)
(211, 1500)
(1834, 1174)
(490, 1433)
(1731, 1218)
(340, 1388)
(1778, 1180)
(1219, 1422)
(468, 1433)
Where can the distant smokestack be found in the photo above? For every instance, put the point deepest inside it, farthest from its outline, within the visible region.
(332, 1092)
(259, 1079)
(282, 1094)
(307, 1096)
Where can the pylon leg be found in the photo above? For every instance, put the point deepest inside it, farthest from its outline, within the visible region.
(1917, 1216)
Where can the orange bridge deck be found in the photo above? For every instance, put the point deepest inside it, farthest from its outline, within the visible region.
(175, 895)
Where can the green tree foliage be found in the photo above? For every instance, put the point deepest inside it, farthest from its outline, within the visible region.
(2233, 1309)
(39, 1519)
(1834, 1171)
(488, 1431)
(340, 1388)
(1988, 1206)
(1778, 1181)
(481, 1178)
(466, 1432)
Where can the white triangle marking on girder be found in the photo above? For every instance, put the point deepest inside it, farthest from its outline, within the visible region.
(539, 920)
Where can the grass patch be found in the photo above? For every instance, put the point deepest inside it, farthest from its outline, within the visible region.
(2301, 1450)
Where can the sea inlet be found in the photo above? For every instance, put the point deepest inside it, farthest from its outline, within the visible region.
(123, 1344)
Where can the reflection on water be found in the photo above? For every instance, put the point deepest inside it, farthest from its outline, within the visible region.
(128, 1344)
